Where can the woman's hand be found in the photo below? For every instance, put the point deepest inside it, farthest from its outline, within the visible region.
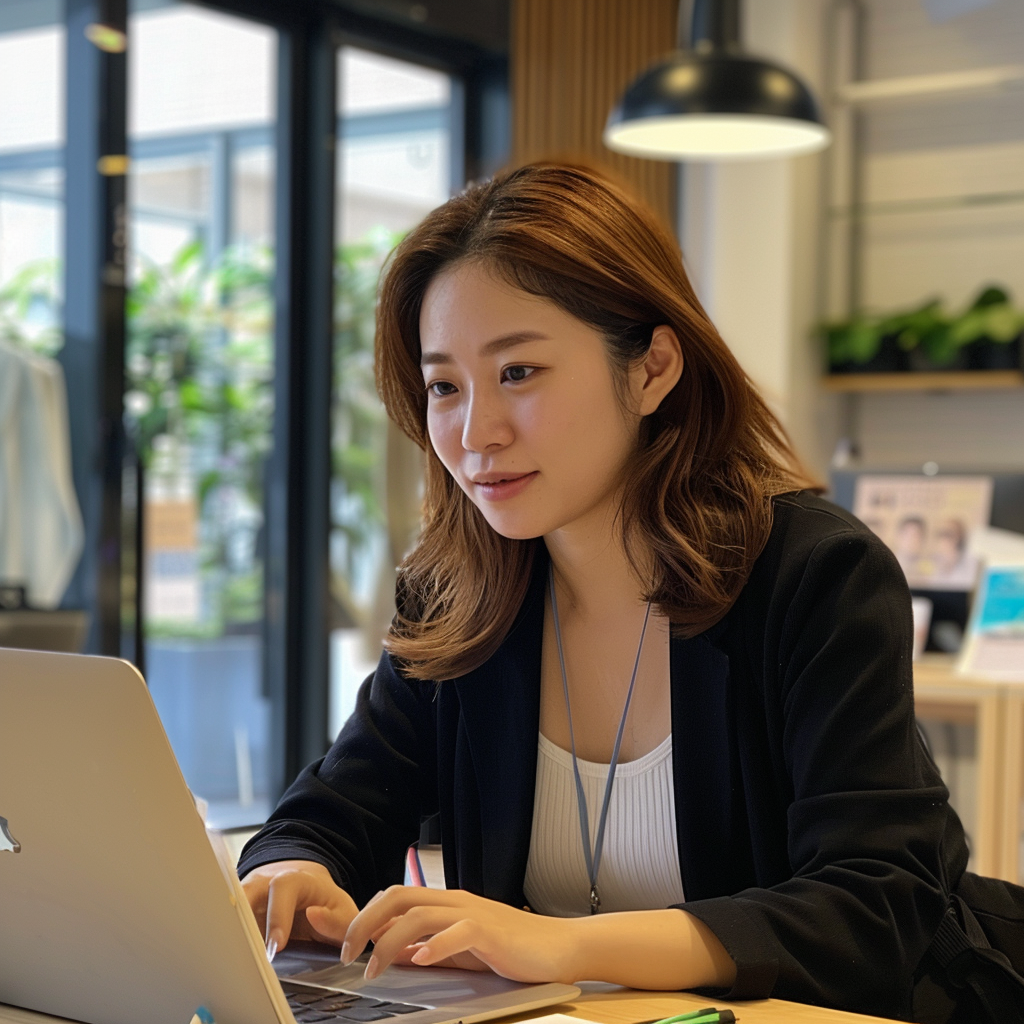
(298, 899)
(452, 928)
(646, 949)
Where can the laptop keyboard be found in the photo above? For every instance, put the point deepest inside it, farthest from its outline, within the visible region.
(344, 1007)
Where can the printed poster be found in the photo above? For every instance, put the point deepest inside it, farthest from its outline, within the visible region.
(926, 522)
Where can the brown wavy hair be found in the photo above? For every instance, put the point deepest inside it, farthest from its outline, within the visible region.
(709, 460)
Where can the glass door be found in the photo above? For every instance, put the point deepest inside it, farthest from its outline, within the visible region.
(396, 135)
(199, 368)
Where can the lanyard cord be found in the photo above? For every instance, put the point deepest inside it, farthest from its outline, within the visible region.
(593, 859)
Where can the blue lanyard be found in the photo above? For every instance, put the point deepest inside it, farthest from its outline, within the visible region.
(593, 859)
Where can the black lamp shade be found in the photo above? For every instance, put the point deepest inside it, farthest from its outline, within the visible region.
(716, 105)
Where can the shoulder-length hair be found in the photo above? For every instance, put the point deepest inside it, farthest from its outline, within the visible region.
(709, 460)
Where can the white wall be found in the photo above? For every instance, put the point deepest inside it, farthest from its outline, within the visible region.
(750, 233)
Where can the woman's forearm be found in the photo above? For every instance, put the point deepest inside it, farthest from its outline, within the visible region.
(649, 949)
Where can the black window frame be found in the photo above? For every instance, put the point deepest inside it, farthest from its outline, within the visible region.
(310, 33)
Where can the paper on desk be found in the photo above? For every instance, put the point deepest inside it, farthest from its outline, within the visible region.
(560, 1018)
(993, 545)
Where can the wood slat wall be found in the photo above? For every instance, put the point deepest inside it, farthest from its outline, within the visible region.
(570, 62)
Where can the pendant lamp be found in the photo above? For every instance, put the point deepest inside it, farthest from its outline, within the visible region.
(713, 102)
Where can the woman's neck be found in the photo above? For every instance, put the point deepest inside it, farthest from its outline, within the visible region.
(592, 572)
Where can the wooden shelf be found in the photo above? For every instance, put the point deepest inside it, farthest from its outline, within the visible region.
(966, 380)
(931, 204)
(924, 86)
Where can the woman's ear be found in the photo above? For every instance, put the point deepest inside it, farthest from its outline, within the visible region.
(661, 368)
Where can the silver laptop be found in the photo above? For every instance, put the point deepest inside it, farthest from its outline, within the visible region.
(115, 906)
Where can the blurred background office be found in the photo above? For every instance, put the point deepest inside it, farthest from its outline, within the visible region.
(196, 200)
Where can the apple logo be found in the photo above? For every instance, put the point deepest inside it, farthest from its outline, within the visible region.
(7, 841)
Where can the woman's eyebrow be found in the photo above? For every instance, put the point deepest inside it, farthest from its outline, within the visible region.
(493, 347)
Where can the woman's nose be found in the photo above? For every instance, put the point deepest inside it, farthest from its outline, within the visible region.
(485, 425)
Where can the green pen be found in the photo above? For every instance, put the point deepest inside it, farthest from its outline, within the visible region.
(709, 1015)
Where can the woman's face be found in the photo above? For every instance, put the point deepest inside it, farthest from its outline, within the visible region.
(521, 406)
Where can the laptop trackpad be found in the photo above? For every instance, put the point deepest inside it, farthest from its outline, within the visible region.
(313, 963)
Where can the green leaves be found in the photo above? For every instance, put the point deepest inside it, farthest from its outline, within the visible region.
(199, 379)
(30, 308)
(926, 333)
(359, 422)
(856, 341)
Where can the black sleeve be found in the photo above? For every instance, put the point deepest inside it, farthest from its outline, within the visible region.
(871, 839)
(357, 810)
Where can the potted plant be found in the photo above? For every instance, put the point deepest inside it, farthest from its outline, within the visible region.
(857, 346)
(990, 331)
(987, 335)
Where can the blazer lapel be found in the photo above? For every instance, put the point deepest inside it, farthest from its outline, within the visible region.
(500, 712)
(499, 718)
(711, 828)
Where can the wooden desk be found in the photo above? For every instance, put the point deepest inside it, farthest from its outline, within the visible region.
(16, 1015)
(608, 1005)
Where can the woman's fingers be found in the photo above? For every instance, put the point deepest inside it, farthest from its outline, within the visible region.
(454, 928)
(297, 899)
(282, 899)
(376, 916)
(416, 924)
(464, 961)
(462, 937)
(330, 921)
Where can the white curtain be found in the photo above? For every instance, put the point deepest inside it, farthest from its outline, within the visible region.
(41, 534)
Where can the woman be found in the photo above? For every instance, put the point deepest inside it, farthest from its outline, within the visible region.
(612, 510)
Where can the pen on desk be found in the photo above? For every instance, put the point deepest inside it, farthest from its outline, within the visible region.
(709, 1015)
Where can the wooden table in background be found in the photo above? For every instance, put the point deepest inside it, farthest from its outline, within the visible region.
(996, 710)
(1011, 815)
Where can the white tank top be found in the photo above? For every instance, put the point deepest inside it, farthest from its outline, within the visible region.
(640, 862)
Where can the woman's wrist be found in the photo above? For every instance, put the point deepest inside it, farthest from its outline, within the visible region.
(666, 950)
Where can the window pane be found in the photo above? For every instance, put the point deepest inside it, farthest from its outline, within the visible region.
(199, 369)
(40, 522)
(371, 83)
(393, 168)
(31, 175)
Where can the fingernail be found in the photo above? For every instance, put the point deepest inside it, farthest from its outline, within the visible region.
(271, 949)
(421, 955)
(346, 953)
(372, 968)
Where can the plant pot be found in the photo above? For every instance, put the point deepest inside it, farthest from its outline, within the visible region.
(889, 358)
(919, 361)
(986, 354)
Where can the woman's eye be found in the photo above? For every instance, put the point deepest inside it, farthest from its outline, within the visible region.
(517, 373)
(441, 388)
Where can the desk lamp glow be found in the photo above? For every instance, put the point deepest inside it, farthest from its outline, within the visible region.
(713, 102)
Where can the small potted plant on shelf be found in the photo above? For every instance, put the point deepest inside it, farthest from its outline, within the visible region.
(990, 332)
(857, 346)
(987, 335)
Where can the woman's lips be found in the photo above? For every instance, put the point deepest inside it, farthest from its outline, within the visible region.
(499, 490)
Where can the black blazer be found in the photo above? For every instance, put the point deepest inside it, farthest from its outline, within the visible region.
(815, 838)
